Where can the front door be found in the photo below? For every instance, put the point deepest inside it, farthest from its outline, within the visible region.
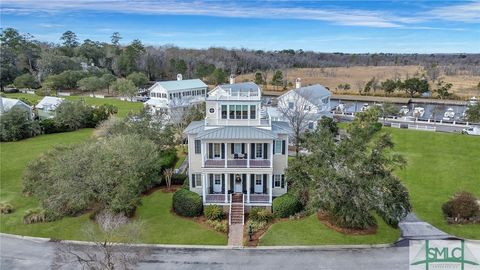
(238, 184)
(258, 183)
(217, 183)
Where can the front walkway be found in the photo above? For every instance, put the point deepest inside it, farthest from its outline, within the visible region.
(414, 228)
(235, 235)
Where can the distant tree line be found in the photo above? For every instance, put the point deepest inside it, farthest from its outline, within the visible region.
(23, 54)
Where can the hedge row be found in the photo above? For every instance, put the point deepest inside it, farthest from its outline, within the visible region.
(187, 203)
(286, 205)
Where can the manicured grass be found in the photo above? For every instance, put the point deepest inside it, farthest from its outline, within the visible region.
(124, 107)
(310, 231)
(439, 164)
(160, 225)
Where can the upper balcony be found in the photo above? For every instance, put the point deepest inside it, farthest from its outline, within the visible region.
(238, 155)
(238, 91)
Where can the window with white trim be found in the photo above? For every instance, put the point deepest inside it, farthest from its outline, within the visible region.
(258, 179)
(198, 179)
(277, 180)
(198, 147)
(218, 179)
(237, 148)
(259, 150)
(217, 150)
(278, 147)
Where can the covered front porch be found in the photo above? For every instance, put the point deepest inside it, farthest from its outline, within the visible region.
(257, 188)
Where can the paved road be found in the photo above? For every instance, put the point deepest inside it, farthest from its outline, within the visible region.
(33, 254)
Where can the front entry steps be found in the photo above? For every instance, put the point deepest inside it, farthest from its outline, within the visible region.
(236, 220)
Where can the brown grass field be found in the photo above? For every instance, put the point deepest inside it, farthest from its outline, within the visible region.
(463, 85)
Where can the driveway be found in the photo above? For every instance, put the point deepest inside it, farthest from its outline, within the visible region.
(17, 253)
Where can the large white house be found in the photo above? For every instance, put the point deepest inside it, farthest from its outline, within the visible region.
(313, 102)
(166, 96)
(237, 151)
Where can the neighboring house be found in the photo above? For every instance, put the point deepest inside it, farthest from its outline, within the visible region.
(311, 101)
(237, 149)
(7, 104)
(47, 106)
(168, 96)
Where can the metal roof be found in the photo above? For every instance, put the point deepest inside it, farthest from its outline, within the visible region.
(179, 85)
(241, 87)
(237, 133)
(49, 102)
(8, 103)
(314, 93)
(281, 127)
(194, 127)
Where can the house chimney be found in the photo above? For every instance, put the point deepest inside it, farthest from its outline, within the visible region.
(179, 77)
(232, 79)
(298, 83)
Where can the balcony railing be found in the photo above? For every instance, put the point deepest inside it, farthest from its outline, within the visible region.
(216, 198)
(259, 198)
(237, 163)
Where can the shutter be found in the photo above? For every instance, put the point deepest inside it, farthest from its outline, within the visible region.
(265, 145)
(244, 183)
(274, 147)
(283, 147)
(232, 148)
(211, 183)
(210, 150)
(265, 183)
(231, 182)
(243, 148)
(223, 183)
(283, 181)
(223, 150)
(252, 183)
(252, 152)
(193, 180)
(273, 180)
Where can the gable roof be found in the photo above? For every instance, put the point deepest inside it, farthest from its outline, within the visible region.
(179, 85)
(8, 103)
(240, 87)
(49, 102)
(313, 93)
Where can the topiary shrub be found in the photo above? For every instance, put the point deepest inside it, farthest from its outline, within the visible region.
(6, 208)
(286, 205)
(187, 203)
(463, 206)
(213, 212)
(34, 216)
(260, 214)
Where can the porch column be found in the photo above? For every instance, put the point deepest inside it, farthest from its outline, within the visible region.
(203, 152)
(248, 155)
(226, 187)
(270, 188)
(204, 187)
(225, 153)
(248, 187)
(271, 154)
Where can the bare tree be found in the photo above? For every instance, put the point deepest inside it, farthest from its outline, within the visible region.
(295, 109)
(110, 246)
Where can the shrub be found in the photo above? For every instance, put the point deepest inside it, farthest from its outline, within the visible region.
(260, 214)
(187, 203)
(34, 216)
(16, 124)
(463, 205)
(213, 212)
(218, 225)
(256, 225)
(179, 179)
(286, 205)
(6, 208)
(49, 126)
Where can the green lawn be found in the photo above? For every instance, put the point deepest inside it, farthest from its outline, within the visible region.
(161, 226)
(124, 107)
(439, 164)
(310, 231)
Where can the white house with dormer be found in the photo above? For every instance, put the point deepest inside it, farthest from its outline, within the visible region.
(237, 152)
(166, 96)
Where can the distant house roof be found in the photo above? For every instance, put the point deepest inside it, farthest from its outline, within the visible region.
(49, 103)
(314, 93)
(8, 103)
(194, 127)
(177, 102)
(178, 85)
(240, 87)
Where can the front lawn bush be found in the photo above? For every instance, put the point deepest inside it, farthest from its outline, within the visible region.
(213, 212)
(218, 225)
(256, 225)
(187, 203)
(260, 214)
(462, 207)
(179, 179)
(16, 124)
(286, 205)
(6, 208)
(34, 216)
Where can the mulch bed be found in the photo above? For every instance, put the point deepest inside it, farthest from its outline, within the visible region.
(324, 219)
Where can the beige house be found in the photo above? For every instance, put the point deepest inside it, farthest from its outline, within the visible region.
(237, 150)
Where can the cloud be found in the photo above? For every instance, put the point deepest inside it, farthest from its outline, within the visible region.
(469, 12)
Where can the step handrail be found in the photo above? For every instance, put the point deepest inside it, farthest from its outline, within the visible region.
(230, 211)
(243, 209)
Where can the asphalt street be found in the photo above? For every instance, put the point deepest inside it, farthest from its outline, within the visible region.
(17, 253)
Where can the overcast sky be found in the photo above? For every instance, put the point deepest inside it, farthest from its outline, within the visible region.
(327, 26)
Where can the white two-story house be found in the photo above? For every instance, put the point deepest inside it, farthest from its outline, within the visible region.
(310, 103)
(176, 96)
(237, 149)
